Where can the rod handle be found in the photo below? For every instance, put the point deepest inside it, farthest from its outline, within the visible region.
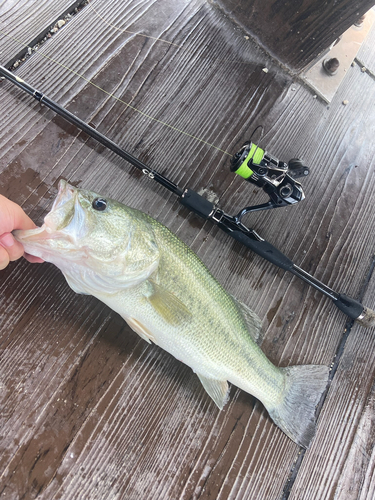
(196, 203)
(355, 310)
(265, 250)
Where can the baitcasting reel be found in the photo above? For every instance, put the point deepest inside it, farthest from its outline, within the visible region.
(275, 177)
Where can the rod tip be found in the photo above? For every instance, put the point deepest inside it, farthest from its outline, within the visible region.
(367, 318)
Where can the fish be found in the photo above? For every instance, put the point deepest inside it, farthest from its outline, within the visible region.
(167, 295)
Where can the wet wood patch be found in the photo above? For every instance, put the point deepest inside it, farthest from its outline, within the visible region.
(296, 33)
(88, 408)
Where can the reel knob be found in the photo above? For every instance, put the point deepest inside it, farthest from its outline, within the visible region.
(297, 168)
(286, 191)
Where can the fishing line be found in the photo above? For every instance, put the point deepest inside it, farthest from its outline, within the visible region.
(109, 94)
(252, 163)
(179, 46)
(163, 40)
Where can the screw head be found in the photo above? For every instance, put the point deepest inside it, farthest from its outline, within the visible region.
(331, 66)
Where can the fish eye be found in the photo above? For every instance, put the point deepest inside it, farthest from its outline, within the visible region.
(99, 204)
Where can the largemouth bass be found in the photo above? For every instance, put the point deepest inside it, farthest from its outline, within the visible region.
(166, 294)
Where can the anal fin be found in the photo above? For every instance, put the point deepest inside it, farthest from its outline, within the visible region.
(218, 390)
(139, 328)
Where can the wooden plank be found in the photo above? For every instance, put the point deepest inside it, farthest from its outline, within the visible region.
(337, 465)
(340, 463)
(357, 479)
(295, 33)
(33, 455)
(366, 54)
(120, 418)
(27, 22)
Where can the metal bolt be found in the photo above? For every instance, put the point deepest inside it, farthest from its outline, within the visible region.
(359, 21)
(337, 41)
(331, 66)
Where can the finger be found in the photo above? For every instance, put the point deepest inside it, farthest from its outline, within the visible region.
(13, 217)
(14, 249)
(33, 259)
(4, 258)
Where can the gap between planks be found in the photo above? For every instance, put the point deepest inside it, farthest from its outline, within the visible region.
(36, 39)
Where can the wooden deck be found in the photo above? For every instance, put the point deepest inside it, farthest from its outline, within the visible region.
(88, 409)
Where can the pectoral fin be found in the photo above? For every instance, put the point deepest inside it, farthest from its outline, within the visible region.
(218, 390)
(168, 306)
(139, 328)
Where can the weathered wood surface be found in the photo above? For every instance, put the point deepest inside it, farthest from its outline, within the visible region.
(27, 22)
(296, 32)
(340, 464)
(366, 54)
(89, 410)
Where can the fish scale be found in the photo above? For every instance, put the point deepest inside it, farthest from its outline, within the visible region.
(141, 270)
(233, 341)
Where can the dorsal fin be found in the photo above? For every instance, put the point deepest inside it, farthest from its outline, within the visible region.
(252, 320)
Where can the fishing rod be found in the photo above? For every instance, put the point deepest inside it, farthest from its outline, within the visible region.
(255, 165)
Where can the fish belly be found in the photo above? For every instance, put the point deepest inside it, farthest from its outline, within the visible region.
(212, 350)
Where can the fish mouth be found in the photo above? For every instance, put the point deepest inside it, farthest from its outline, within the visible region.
(64, 222)
(64, 207)
(66, 192)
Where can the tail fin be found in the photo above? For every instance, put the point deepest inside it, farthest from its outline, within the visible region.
(295, 415)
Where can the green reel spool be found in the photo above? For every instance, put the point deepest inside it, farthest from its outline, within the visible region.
(245, 158)
(275, 177)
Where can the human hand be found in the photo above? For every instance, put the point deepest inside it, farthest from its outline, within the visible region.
(12, 217)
